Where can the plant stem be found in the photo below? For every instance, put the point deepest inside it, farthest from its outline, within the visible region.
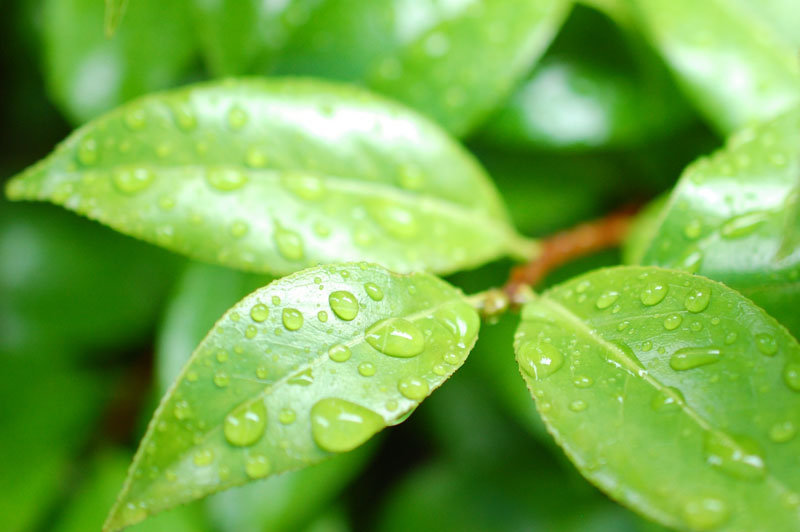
(564, 246)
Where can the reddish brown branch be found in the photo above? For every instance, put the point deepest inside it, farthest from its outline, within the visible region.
(565, 246)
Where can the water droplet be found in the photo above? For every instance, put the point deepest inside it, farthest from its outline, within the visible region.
(250, 332)
(440, 370)
(653, 294)
(239, 229)
(396, 337)
(731, 337)
(257, 466)
(672, 322)
(582, 286)
(693, 229)
(292, 319)
(411, 177)
(414, 388)
(255, 158)
(302, 378)
(668, 399)
(539, 359)
(304, 186)
(691, 261)
(460, 319)
(262, 372)
(290, 244)
(182, 410)
(578, 405)
(287, 416)
(344, 304)
(184, 117)
(583, 381)
(221, 379)
(322, 316)
(791, 375)
(705, 514)
(136, 119)
(88, 151)
(606, 299)
(366, 369)
(693, 357)
(203, 457)
(697, 300)
(398, 221)
(736, 456)
(237, 118)
(246, 423)
(766, 344)
(192, 376)
(259, 312)
(782, 432)
(742, 225)
(276, 300)
(339, 426)
(133, 180)
(373, 291)
(226, 179)
(339, 353)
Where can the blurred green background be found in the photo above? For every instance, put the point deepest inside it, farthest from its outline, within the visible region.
(93, 325)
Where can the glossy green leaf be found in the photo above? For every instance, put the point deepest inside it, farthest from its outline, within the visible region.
(115, 10)
(281, 502)
(595, 87)
(734, 66)
(734, 217)
(275, 176)
(454, 61)
(643, 229)
(287, 378)
(673, 393)
(88, 73)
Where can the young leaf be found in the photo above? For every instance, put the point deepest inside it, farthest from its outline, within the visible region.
(88, 73)
(312, 365)
(734, 217)
(673, 393)
(731, 63)
(454, 62)
(275, 176)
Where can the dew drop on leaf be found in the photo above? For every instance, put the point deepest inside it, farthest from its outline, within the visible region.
(366, 369)
(88, 151)
(237, 118)
(339, 426)
(339, 353)
(245, 424)
(737, 457)
(705, 513)
(322, 316)
(672, 322)
(287, 416)
(292, 319)
(289, 243)
(578, 405)
(221, 379)
(344, 304)
(766, 344)
(460, 319)
(373, 291)
(259, 312)
(697, 300)
(540, 359)
(653, 294)
(257, 466)
(414, 388)
(396, 337)
(307, 187)
(782, 432)
(791, 375)
(133, 180)
(203, 457)
(606, 299)
(225, 179)
(693, 357)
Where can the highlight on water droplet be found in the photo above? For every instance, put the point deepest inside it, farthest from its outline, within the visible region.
(606, 299)
(373, 291)
(292, 319)
(339, 426)
(414, 388)
(693, 357)
(653, 294)
(396, 337)
(245, 425)
(737, 456)
(339, 353)
(344, 304)
(259, 312)
(697, 300)
(539, 359)
(304, 186)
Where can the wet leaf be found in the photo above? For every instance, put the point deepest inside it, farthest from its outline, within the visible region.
(88, 73)
(734, 217)
(734, 65)
(274, 176)
(673, 393)
(115, 10)
(286, 379)
(453, 61)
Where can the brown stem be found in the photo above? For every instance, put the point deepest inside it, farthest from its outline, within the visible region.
(562, 247)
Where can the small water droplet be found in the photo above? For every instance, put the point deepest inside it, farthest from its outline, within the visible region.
(136, 119)
(259, 312)
(693, 357)
(583, 381)
(304, 186)
(583, 286)
(705, 513)
(257, 466)
(88, 151)
(606, 299)
(255, 158)
(697, 300)
(414, 388)
(344, 304)
(672, 322)
(736, 456)
(539, 359)
(440, 370)
(693, 229)
(287, 416)
(292, 319)
(766, 344)
(262, 372)
(373, 291)
(290, 243)
(578, 405)
(250, 332)
(203, 457)
(782, 432)
(653, 294)
(339, 353)
(239, 229)
(246, 423)
(237, 118)
(339, 426)
(731, 337)
(366, 369)
(133, 180)
(322, 316)
(398, 221)
(396, 337)
(791, 375)
(182, 410)
(226, 179)
(667, 400)
(221, 379)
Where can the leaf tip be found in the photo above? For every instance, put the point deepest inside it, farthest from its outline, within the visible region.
(15, 189)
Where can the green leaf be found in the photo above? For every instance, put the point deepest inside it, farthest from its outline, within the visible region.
(673, 393)
(734, 66)
(283, 502)
(596, 87)
(643, 229)
(454, 62)
(115, 10)
(88, 73)
(734, 217)
(275, 176)
(312, 365)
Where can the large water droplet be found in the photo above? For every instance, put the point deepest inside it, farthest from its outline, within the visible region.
(344, 304)
(693, 357)
(414, 388)
(736, 456)
(226, 179)
(697, 299)
(257, 466)
(373, 291)
(246, 423)
(606, 299)
(705, 513)
(743, 225)
(653, 294)
(540, 359)
(290, 244)
(292, 319)
(339, 353)
(133, 180)
(339, 426)
(396, 337)
(259, 312)
(460, 319)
